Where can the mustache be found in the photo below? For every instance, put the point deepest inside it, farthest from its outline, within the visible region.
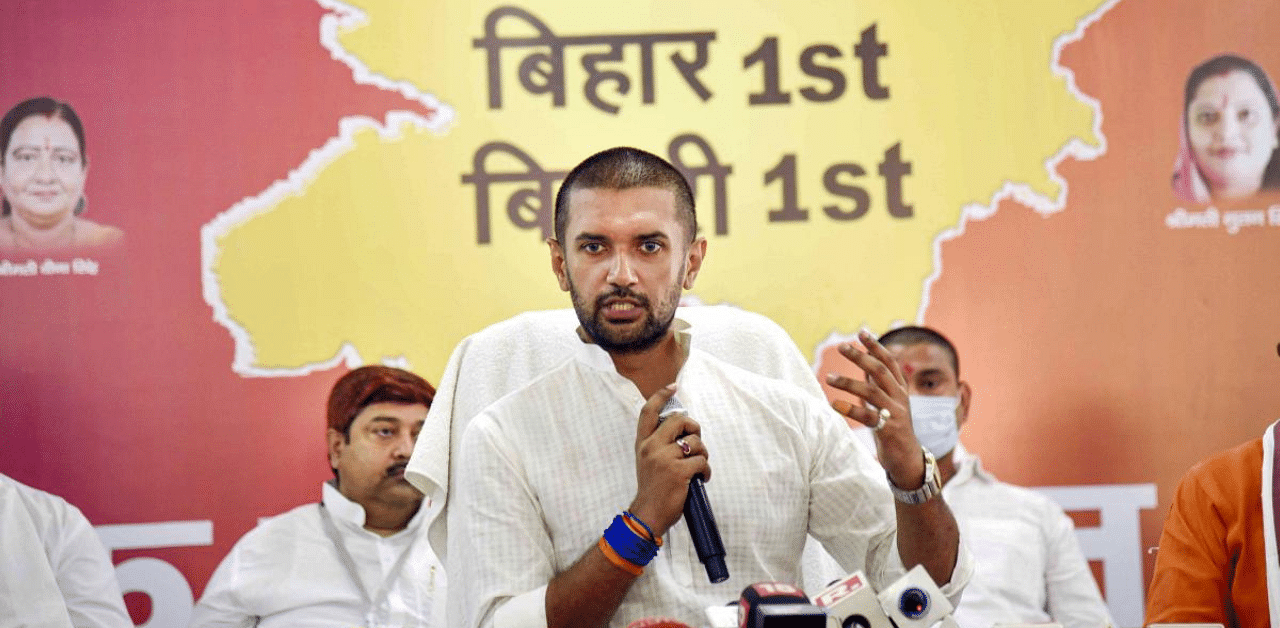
(397, 468)
(621, 292)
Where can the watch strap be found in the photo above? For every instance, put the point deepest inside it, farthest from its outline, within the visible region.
(932, 483)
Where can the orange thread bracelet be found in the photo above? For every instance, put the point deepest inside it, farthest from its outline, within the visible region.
(617, 560)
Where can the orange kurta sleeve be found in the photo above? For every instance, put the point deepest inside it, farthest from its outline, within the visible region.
(1211, 565)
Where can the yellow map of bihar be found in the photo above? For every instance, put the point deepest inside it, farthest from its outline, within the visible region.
(869, 130)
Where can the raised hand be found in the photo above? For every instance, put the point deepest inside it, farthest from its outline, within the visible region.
(885, 389)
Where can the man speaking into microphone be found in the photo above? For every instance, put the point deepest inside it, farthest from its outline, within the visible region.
(570, 491)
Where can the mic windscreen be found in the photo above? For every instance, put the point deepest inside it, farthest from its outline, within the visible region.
(658, 622)
(914, 600)
(671, 407)
(778, 605)
(851, 603)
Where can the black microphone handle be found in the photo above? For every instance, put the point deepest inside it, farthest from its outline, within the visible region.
(706, 536)
(698, 516)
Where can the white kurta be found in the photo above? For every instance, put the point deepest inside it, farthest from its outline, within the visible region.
(543, 471)
(1029, 567)
(55, 572)
(287, 573)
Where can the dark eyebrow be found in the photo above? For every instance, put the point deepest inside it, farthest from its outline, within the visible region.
(931, 373)
(595, 237)
(385, 419)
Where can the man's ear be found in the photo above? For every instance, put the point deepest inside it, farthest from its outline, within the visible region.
(337, 441)
(693, 262)
(962, 410)
(557, 263)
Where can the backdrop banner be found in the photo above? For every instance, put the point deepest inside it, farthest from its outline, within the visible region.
(257, 196)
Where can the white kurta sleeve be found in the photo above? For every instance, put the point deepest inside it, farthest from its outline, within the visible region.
(500, 553)
(56, 568)
(852, 511)
(86, 577)
(850, 507)
(1074, 599)
(221, 605)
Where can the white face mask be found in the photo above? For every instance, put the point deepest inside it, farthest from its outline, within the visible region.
(934, 420)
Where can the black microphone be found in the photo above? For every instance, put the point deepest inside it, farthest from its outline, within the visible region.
(699, 518)
(778, 605)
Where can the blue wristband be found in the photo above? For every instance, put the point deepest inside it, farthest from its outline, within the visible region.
(630, 546)
(629, 515)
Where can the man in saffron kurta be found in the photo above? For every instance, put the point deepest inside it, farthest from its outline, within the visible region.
(1211, 566)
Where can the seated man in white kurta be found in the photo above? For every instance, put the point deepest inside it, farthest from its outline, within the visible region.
(1030, 569)
(360, 556)
(55, 572)
(543, 470)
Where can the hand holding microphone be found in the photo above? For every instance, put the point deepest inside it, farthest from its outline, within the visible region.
(664, 466)
(671, 465)
(698, 515)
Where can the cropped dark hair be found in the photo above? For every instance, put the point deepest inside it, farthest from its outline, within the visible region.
(623, 168)
(912, 335)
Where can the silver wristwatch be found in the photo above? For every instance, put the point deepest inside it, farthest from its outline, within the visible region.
(932, 483)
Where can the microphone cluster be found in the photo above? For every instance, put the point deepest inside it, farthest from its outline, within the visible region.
(913, 601)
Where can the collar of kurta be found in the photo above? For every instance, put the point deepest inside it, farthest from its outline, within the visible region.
(351, 514)
(968, 467)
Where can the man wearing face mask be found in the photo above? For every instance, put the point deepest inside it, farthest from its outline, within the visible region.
(1029, 565)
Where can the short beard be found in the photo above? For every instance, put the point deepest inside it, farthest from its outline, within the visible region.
(652, 332)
